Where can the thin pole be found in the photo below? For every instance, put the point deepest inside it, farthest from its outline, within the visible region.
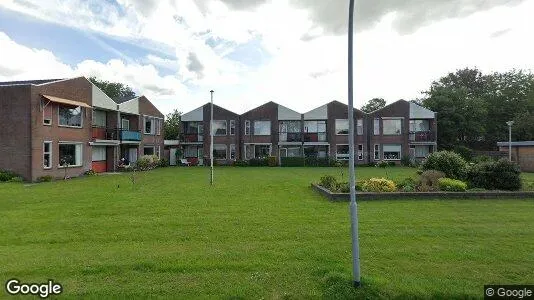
(352, 172)
(510, 142)
(211, 138)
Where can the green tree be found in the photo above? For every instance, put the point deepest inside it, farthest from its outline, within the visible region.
(373, 104)
(114, 90)
(172, 125)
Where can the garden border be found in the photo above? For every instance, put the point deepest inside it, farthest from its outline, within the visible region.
(344, 197)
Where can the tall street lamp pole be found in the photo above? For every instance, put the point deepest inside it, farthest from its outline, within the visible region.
(211, 138)
(510, 123)
(352, 172)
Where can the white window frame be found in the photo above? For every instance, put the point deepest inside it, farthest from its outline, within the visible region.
(152, 125)
(50, 159)
(80, 144)
(360, 152)
(159, 123)
(376, 149)
(391, 159)
(232, 127)
(247, 127)
(391, 119)
(359, 126)
(342, 156)
(125, 127)
(47, 121)
(95, 112)
(69, 126)
(158, 151)
(225, 127)
(225, 151)
(233, 149)
(93, 152)
(342, 120)
(263, 121)
(153, 149)
(376, 126)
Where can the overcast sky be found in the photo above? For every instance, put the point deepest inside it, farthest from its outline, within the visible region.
(252, 51)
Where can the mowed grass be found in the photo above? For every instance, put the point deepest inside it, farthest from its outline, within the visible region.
(258, 233)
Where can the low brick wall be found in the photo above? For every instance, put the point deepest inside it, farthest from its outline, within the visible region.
(422, 195)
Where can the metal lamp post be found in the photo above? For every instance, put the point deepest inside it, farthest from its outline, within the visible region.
(510, 123)
(211, 138)
(352, 172)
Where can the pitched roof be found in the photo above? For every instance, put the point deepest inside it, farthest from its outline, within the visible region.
(124, 99)
(28, 82)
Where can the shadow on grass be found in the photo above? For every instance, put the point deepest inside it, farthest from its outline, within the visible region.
(338, 286)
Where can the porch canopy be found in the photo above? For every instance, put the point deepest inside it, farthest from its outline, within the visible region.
(66, 101)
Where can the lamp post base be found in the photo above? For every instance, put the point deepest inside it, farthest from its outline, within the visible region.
(357, 284)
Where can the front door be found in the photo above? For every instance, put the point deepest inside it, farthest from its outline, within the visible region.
(132, 154)
(200, 155)
(172, 158)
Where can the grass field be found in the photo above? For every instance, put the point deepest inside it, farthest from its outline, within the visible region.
(258, 233)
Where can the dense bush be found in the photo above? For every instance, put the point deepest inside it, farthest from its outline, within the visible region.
(292, 161)
(328, 182)
(319, 162)
(378, 185)
(272, 161)
(429, 180)
(406, 161)
(452, 185)
(406, 185)
(495, 175)
(464, 152)
(147, 162)
(240, 163)
(46, 178)
(163, 162)
(258, 162)
(450, 163)
(482, 158)
(16, 179)
(7, 175)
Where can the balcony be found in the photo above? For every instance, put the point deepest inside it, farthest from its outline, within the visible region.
(422, 136)
(130, 135)
(193, 138)
(315, 137)
(290, 136)
(103, 133)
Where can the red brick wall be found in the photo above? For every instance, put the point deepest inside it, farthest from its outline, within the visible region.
(338, 110)
(220, 113)
(146, 108)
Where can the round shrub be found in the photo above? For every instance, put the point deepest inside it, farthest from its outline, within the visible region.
(429, 180)
(450, 163)
(452, 185)
(328, 182)
(379, 185)
(147, 162)
(495, 175)
(464, 152)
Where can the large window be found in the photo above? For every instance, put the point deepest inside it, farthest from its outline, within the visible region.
(193, 127)
(320, 151)
(419, 125)
(290, 152)
(392, 126)
(232, 151)
(98, 153)
(289, 131)
(47, 155)
(262, 151)
(247, 127)
(219, 151)
(232, 127)
(148, 150)
(342, 152)
(99, 118)
(262, 127)
(70, 154)
(377, 152)
(219, 127)
(359, 126)
(342, 126)
(376, 127)
(159, 124)
(423, 151)
(191, 151)
(315, 131)
(392, 152)
(70, 116)
(150, 125)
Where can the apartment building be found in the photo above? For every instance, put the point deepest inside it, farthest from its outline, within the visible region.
(59, 126)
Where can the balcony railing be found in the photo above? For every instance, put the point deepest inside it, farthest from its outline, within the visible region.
(130, 135)
(290, 136)
(315, 137)
(422, 136)
(103, 133)
(193, 137)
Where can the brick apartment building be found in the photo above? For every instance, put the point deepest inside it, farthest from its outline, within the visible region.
(399, 129)
(52, 123)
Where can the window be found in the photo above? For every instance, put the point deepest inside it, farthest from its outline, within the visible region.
(289, 131)
(247, 127)
(70, 154)
(422, 151)
(159, 123)
(99, 118)
(148, 150)
(47, 155)
(190, 151)
(376, 126)
(262, 127)
(377, 152)
(359, 126)
(125, 123)
(290, 152)
(219, 151)
(392, 152)
(262, 151)
(98, 153)
(232, 151)
(150, 125)
(342, 152)
(70, 116)
(219, 127)
(47, 114)
(249, 151)
(419, 125)
(342, 126)
(232, 127)
(360, 152)
(392, 126)
(315, 131)
(320, 151)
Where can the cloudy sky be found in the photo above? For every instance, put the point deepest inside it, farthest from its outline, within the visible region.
(252, 51)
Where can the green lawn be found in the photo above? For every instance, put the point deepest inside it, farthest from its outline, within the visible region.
(258, 233)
